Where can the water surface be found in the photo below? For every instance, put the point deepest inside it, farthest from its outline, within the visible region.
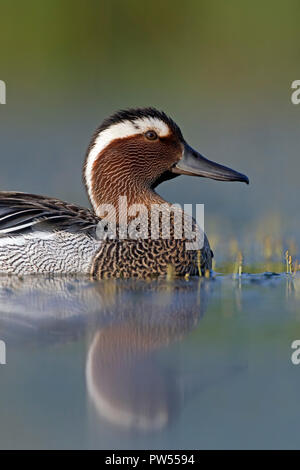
(164, 365)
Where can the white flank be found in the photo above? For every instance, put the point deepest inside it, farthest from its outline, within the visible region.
(121, 130)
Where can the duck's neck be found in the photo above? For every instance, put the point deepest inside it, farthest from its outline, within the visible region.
(121, 192)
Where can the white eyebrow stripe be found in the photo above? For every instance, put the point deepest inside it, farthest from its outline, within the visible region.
(120, 130)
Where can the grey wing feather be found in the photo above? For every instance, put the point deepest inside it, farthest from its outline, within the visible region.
(21, 211)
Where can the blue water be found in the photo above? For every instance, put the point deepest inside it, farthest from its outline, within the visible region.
(141, 365)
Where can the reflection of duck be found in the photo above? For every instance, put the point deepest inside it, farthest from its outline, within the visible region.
(133, 380)
(129, 323)
(127, 387)
(127, 384)
(38, 307)
(131, 153)
(33, 305)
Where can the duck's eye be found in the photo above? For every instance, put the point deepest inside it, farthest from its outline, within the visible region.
(151, 135)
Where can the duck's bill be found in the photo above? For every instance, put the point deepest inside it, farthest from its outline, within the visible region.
(194, 164)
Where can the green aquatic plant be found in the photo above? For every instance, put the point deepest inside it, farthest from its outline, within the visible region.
(171, 274)
(199, 262)
(289, 262)
(264, 252)
(238, 267)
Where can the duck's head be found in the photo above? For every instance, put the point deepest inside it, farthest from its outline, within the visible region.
(135, 150)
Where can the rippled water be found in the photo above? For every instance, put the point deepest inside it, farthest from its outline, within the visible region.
(122, 365)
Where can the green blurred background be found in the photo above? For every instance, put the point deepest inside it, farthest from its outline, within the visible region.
(222, 70)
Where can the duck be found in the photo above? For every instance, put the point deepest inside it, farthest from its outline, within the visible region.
(129, 155)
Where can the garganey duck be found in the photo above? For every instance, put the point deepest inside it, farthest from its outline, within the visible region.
(129, 155)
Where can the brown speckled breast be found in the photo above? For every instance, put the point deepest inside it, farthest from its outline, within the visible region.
(146, 258)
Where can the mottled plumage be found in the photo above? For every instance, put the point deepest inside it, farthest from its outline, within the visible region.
(45, 235)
